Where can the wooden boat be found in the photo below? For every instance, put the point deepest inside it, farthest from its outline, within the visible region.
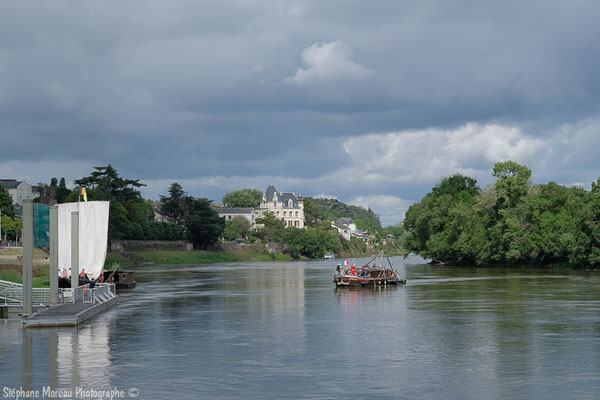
(121, 279)
(373, 273)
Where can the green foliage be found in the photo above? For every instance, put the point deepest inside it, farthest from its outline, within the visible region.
(62, 192)
(129, 212)
(151, 230)
(311, 243)
(316, 210)
(6, 202)
(11, 226)
(203, 225)
(243, 198)
(510, 222)
(274, 228)
(237, 227)
(173, 205)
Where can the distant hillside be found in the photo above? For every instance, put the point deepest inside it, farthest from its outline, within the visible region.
(331, 209)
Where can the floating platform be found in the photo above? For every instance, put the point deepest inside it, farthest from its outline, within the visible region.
(69, 314)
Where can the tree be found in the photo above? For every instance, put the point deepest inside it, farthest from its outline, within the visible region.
(513, 182)
(243, 198)
(173, 205)
(6, 202)
(202, 223)
(62, 192)
(237, 227)
(11, 226)
(274, 227)
(110, 186)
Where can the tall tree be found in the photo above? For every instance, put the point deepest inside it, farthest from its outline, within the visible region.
(202, 223)
(62, 192)
(173, 206)
(514, 180)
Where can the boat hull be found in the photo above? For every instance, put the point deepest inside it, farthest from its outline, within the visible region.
(358, 281)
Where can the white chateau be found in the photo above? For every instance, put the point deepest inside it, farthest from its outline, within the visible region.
(284, 205)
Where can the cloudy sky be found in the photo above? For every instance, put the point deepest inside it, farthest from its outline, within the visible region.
(371, 102)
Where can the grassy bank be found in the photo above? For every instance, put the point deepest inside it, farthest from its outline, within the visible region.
(188, 257)
(14, 273)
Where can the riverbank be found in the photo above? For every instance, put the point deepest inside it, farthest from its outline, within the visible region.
(189, 257)
(11, 266)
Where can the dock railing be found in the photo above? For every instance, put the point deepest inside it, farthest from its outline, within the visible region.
(11, 293)
(85, 294)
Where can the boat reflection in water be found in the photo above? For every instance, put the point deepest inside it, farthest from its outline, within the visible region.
(373, 273)
(75, 357)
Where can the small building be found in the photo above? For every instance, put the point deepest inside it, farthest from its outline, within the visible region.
(345, 227)
(231, 212)
(343, 230)
(284, 205)
(158, 215)
(18, 190)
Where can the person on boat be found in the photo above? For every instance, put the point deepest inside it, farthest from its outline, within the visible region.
(82, 273)
(353, 270)
(338, 269)
(64, 273)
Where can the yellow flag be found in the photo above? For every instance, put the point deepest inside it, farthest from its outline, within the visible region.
(84, 194)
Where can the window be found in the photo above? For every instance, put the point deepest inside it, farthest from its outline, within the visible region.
(278, 213)
(284, 213)
(296, 213)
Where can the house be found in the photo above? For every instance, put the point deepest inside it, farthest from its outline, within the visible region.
(345, 229)
(19, 190)
(231, 212)
(46, 194)
(284, 205)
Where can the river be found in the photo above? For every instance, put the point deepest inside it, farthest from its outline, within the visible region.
(280, 330)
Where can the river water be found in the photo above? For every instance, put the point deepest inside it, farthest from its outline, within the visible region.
(281, 330)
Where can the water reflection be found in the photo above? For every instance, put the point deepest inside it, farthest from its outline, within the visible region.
(282, 330)
(64, 357)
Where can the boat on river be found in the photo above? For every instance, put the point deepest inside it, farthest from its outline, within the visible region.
(373, 273)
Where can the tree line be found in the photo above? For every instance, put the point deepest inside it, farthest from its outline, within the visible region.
(511, 222)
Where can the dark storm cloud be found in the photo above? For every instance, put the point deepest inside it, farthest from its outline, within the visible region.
(259, 92)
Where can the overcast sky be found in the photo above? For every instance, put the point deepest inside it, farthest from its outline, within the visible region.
(371, 102)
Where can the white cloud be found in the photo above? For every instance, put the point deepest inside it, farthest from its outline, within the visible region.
(427, 155)
(327, 62)
(391, 209)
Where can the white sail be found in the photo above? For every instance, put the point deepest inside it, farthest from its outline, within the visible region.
(93, 236)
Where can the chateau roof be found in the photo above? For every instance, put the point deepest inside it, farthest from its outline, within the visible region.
(281, 196)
